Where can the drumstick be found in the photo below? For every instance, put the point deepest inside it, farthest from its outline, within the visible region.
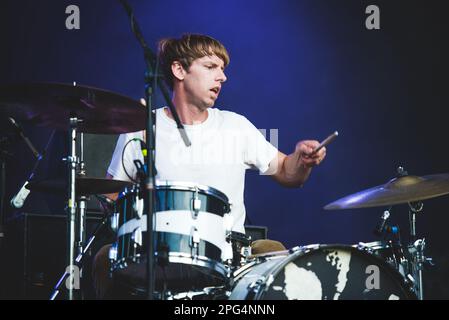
(324, 143)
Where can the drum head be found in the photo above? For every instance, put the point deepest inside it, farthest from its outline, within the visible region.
(328, 272)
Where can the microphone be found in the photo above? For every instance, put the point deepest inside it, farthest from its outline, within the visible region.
(144, 151)
(19, 130)
(19, 199)
(381, 225)
(143, 147)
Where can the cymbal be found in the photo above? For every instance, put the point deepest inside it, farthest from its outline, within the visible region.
(396, 191)
(52, 105)
(83, 185)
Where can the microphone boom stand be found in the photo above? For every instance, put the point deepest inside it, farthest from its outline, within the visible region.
(152, 79)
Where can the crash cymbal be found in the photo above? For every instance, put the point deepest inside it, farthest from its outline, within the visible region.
(52, 104)
(83, 185)
(396, 191)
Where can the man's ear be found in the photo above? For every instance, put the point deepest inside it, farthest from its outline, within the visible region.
(178, 70)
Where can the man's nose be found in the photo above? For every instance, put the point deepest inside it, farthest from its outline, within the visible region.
(222, 77)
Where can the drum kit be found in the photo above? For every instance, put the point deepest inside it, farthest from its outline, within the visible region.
(196, 254)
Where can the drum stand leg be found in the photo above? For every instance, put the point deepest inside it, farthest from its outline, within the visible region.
(79, 259)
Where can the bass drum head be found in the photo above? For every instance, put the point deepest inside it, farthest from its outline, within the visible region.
(324, 272)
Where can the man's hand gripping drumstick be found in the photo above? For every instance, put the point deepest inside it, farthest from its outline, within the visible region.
(311, 152)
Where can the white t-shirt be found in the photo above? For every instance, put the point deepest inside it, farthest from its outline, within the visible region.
(223, 147)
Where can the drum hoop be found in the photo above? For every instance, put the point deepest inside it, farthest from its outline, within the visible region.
(181, 186)
(189, 186)
(178, 257)
(374, 244)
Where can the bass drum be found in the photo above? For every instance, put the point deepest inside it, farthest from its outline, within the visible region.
(319, 272)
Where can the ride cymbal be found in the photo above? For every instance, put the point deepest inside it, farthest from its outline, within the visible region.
(396, 191)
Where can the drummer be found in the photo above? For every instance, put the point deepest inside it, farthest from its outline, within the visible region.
(224, 143)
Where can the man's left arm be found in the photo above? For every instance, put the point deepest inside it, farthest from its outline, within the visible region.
(294, 169)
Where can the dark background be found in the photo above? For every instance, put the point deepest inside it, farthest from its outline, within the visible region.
(306, 68)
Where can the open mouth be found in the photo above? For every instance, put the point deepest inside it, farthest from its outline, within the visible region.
(215, 90)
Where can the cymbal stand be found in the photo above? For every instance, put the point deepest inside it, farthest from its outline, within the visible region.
(416, 250)
(82, 199)
(82, 205)
(72, 162)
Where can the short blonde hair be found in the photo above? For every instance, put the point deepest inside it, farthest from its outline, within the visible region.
(187, 49)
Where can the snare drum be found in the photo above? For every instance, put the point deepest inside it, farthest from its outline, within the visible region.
(319, 272)
(188, 238)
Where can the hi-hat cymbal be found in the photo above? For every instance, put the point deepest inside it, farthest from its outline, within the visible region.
(396, 191)
(52, 105)
(83, 185)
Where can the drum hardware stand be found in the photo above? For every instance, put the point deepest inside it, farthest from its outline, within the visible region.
(416, 249)
(152, 81)
(78, 262)
(72, 161)
(416, 246)
(82, 200)
(76, 225)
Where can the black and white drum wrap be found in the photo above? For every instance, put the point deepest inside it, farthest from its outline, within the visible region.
(320, 272)
(190, 234)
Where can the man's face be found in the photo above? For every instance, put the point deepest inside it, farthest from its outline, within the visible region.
(202, 82)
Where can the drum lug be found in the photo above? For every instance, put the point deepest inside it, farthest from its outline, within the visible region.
(138, 207)
(194, 237)
(196, 204)
(114, 221)
(256, 286)
(137, 237)
(113, 252)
